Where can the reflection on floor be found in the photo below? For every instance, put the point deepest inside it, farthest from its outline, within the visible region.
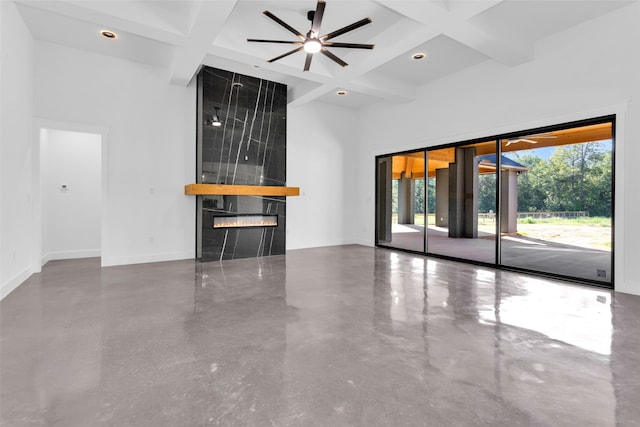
(517, 251)
(335, 336)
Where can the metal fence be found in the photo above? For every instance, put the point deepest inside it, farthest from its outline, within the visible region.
(491, 216)
(562, 214)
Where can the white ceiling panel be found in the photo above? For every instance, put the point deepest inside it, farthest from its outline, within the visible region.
(69, 31)
(444, 56)
(534, 19)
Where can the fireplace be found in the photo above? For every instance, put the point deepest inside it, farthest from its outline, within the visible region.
(241, 167)
(245, 221)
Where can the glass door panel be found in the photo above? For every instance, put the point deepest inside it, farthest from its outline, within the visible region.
(557, 198)
(462, 202)
(400, 202)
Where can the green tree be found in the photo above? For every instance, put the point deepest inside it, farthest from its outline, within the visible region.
(431, 195)
(487, 192)
(419, 195)
(532, 184)
(576, 177)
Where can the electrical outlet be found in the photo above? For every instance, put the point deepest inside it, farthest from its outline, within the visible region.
(601, 273)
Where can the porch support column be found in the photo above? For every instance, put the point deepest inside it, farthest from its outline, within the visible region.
(509, 198)
(442, 197)
(406, 199)
(463, 194)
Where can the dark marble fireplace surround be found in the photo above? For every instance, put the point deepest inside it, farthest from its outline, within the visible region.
(249, 148)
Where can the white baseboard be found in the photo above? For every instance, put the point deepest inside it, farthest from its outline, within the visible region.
(315, 244)
(144, 259)
(628, 287)
(366, 242)
(51, 256)
(14, 282)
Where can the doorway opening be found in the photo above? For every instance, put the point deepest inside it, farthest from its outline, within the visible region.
(71, 169)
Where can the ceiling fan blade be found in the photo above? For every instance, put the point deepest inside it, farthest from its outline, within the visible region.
(274, 41)
(284, 24)
(346, 29)
(298, 49)
(307, 61)
(349, 45)
(317, 17)
(331, 56)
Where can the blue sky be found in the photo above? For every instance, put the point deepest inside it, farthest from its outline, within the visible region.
(546, 152)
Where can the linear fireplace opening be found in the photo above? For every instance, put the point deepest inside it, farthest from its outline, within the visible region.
(245, 221)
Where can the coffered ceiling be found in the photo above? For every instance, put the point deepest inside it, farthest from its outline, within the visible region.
(181, 35)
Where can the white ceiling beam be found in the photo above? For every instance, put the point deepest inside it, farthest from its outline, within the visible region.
(278, 67)
(469, 9)
(382, 87)
(191, 51)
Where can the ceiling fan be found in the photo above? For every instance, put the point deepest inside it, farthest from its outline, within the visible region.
(531, 139)
(312, 42)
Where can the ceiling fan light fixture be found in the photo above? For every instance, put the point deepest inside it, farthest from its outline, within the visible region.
(312, 46)
(312, 42)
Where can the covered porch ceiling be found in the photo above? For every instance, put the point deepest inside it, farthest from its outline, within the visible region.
(413, 164)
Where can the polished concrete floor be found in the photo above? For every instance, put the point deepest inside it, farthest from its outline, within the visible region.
(336, 336)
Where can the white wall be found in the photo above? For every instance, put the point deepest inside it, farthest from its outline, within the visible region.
(583, 72)
(150, 147)
(71, 215)
(16, 144)
(321, 153)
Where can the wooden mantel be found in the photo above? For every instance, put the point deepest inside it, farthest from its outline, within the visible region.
(239, 190)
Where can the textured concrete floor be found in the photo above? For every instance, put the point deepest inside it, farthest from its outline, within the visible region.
(332, 336)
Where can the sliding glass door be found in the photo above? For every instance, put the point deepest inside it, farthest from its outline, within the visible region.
(557, 214)
(401, 207)
(463, 220)
(548, 194)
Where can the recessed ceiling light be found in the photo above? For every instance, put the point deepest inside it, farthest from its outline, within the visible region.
(237, 85)
(108, 34)
(342, 92)
(418, 56)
